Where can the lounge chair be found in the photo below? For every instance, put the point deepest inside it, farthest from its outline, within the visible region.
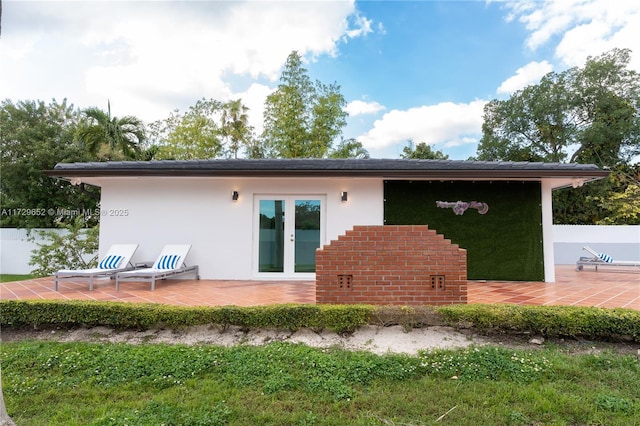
(170, 262)
(600, 259)
(117, 259)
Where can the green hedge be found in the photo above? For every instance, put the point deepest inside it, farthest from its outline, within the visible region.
(550, 321)
(43, 313)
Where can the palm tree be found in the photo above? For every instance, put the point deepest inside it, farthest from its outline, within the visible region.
(111, 138)
(235, 125)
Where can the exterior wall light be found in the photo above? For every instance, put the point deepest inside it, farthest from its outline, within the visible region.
(343, 196)
(235, 195)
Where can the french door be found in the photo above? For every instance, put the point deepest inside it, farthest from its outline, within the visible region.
(289, 229)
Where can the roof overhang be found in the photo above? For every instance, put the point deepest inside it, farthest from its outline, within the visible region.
(564, 174)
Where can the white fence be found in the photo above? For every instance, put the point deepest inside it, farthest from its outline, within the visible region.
(15, 249)
(620, 242)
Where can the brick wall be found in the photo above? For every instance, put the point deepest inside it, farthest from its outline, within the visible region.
(391, 265)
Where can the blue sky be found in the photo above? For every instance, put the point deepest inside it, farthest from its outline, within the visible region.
(418, 70)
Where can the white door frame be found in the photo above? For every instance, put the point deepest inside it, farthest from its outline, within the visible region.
(289, 235)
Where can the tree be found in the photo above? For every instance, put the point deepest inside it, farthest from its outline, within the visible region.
(592, 111)
(196, 134)
(328, 118)
(421, 151)
(536, 124)
(349, 148)
(584, 115)
(209, 129)
(302, 119)
(111, 138)
(75, 248)
(622, 203)
(255, 149)
(35, 136)
(235, 126)
(608, 98)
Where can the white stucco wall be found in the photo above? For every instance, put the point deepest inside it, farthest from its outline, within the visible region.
(199, 211)
(622, 242)
(547, 230)
(157, 211)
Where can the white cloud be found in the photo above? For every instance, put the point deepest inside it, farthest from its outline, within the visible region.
(362, 27)
(357, 107)
(253, 98)
(447, 124)
(150, 58)
(583, 27)
(529, 74)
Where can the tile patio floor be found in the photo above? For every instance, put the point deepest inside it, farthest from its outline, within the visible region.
(605, 288)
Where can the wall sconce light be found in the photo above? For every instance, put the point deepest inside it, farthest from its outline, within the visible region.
(235, 195)
(343, 196)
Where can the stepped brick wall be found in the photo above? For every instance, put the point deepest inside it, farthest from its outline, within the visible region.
(391, 265)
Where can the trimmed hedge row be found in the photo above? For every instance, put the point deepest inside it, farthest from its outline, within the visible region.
(43, 313)
(550, 321)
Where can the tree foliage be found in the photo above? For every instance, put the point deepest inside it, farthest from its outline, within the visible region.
(349, 148)
(422, 151)
(622, 203)
(111, 138)
(209, 129)
(35, 136)
(302, 119)
(235, 126)
(587, 115)
(195, 134)
(608, 99)
(75, 248)
(584, 115)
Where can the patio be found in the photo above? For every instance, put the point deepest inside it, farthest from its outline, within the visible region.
(609, 288)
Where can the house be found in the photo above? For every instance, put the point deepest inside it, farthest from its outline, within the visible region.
(264, 219)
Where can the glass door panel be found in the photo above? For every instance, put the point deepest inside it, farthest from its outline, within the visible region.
(306, 235)
(287, 243)
(271, 236)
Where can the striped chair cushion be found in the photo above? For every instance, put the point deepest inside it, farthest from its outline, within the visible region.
(168, 261)
(605, 258)
(110, 262)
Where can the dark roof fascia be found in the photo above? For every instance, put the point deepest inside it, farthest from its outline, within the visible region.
(415, 174)
(386, 169)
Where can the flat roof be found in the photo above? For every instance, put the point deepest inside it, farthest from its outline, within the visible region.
(382, 168)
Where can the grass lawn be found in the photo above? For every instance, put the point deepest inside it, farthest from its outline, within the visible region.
(291, 384)
(5, 278)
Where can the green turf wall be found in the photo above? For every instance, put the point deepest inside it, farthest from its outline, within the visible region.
(505, 243)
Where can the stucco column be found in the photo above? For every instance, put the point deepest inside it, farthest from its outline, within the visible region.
(547, 232)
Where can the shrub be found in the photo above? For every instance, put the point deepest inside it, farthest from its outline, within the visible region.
(76, 248)
(37, 313)
(550, 321)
